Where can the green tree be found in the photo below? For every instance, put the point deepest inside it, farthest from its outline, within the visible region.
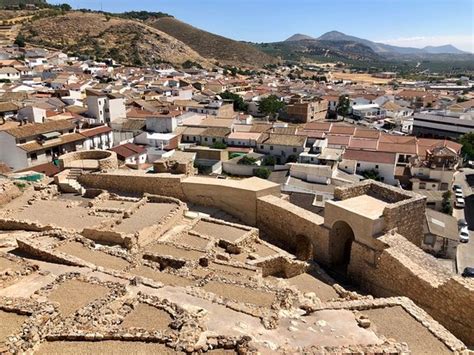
(262, 172)
(371, 174)
(239, 103)
(246, 160)
(467, 141)
(20, 41)
(343, 105)
(271, 105)
(446, 206)
(219, 145)
(269, 160)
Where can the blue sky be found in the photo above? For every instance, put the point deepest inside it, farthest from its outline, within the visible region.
(400, 22)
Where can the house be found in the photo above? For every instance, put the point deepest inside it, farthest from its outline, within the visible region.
(104, 108)
(100, 137)
(130, 153)
(440, 234)
(7, 110)
(213, 135)
(243, 139)
(9, 74)
(438, 125)
(32, 114)
(370, 112)
(38, 143)
(380, 162)
(300, 110)
(283, 147)
(164, 122)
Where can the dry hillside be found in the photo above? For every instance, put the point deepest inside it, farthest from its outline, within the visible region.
(127, 41)
(208, 45)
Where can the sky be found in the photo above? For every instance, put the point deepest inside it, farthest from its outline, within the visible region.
(414, 23)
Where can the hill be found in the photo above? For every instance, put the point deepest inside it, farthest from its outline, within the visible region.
(312, 49)
(127, 41)
(298, 37)
(212, 46)
(382, 48)
(14, 3)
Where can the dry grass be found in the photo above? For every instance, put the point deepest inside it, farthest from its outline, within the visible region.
(396, 323)
(73, 295)
(360, 78)
(147, 317)
(93, 256)
(10, 323)
(240, 294)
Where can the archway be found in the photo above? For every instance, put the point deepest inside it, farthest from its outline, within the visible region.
(341, 238)
(304, 248)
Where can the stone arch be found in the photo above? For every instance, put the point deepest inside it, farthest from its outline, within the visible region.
(303, 248)
(341, 238)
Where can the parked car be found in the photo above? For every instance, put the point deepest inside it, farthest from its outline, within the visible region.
(457, 187)
(458, 194)
(459, 203)
(468, 272)
(464, 235)
(462, 223)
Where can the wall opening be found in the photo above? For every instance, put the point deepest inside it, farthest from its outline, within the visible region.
(304, 248)
(341, 238)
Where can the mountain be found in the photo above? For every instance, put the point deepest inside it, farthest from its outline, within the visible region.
(298, 37)
(104, 36)
(212, 46)
(313, 49)
(448, 48)
(12, 3)
(383, 48)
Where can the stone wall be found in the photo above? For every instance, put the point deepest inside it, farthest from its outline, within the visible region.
(105, 159)
(238, 198)
(8, 192)
(291, 226)
(404, 270)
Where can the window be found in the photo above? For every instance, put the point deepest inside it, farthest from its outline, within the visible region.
(294, 150)
(205, 139)
(271, 147)
(33, 156)
(22, 141)
(376, 166)
(358, 165)
(213, 140)
(48, 153)
(422, 185)
(261, 147)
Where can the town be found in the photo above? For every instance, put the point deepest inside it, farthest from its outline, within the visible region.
(297, 207)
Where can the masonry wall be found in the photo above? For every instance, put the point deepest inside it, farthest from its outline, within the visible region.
(404, 270)
(290, 226)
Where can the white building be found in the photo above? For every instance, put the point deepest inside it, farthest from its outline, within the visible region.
(105, 108)
(8, 73)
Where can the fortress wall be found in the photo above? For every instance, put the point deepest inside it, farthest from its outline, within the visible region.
(291, 226)
(404, 270)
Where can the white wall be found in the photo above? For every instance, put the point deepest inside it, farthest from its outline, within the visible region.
(10, 154)
(387, 171)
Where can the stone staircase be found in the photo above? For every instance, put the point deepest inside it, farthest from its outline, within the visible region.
(67, 181)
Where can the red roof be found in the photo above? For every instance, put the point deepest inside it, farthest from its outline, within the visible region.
(95, 131)
(369, 156)
(128, 150)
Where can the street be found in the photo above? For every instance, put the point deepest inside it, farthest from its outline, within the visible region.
(465, 252)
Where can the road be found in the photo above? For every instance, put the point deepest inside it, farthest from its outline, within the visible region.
(465, 252)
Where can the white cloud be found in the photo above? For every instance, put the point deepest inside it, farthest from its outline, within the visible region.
(463, 42)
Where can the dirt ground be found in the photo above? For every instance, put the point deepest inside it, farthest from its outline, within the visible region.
(145, 216)
(165, 278)
(164, 249)
(147, 317)
(360, 78)
(108, 347)
(240, 294)
(190, 240)
(396, 323)
(231, 269)
(10, 323)
(219, 231)
(6, 264)
(307, 283)
(93, 256)
(74, 294)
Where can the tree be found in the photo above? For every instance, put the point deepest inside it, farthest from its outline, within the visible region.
(446, 206)
(467, 141)
(239, 103)
(20, 41)
(271, 105)
(218, 145)
(65, 7)
(371, 174)
(343, 105)
(246, 160)
(262, 172)
(269, 160)
(292, 158)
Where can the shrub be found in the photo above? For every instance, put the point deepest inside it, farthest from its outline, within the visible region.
(262, 173)
(219, 145)
(269, 160)
(246, 160)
